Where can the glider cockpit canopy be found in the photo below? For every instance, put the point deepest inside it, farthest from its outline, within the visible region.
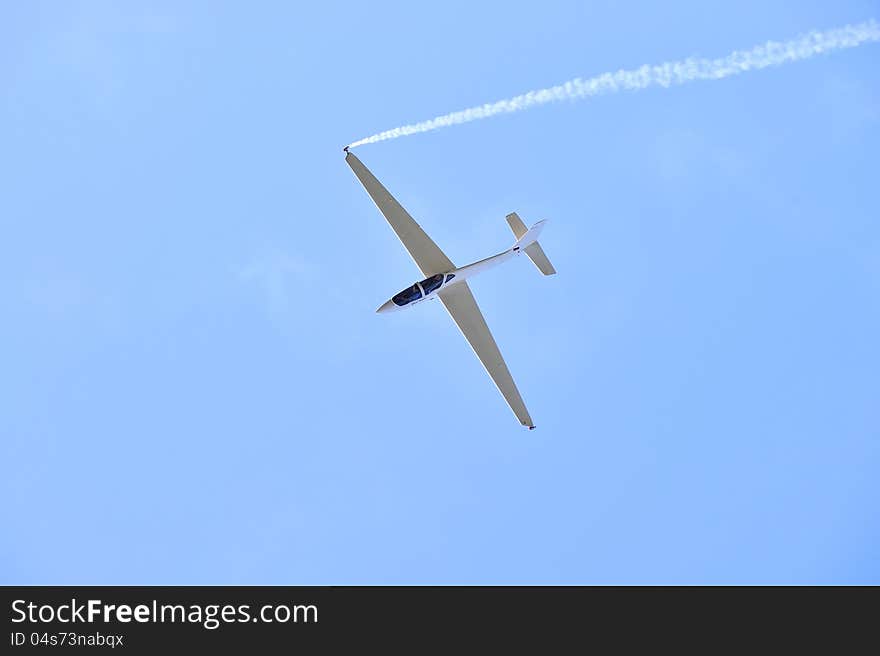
(423, 287)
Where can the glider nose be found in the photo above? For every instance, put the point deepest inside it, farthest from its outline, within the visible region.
(387, 306)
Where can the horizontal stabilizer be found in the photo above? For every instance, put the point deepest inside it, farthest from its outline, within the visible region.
(516, 224)
(536, 255)
(526, 237)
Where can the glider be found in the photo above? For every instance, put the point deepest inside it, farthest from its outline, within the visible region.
(449, 283)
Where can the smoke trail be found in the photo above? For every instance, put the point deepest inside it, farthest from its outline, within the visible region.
(668, 74)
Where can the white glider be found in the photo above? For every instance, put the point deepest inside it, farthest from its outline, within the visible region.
(449, 283)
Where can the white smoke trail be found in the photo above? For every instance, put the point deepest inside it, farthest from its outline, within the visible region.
(771, 53)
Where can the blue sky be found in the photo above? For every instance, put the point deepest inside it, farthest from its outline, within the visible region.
(194, 387)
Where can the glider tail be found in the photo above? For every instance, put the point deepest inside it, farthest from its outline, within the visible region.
(527, 240)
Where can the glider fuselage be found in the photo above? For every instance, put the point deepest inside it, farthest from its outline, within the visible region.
(431, 286)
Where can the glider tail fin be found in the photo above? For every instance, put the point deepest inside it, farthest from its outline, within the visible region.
(527, 239)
